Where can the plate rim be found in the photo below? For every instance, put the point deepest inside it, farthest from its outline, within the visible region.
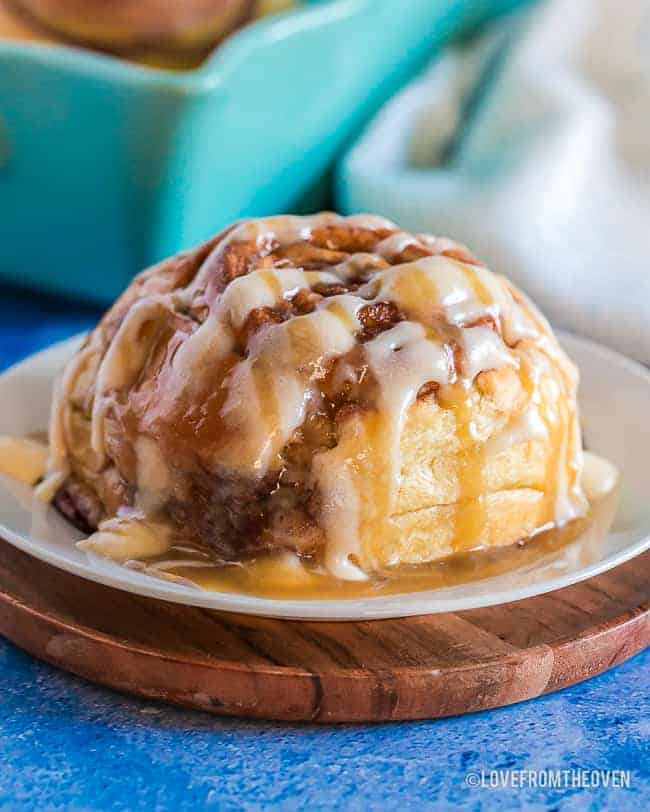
(332, 609)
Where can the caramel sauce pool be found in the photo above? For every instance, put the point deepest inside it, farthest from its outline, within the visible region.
(285, 577)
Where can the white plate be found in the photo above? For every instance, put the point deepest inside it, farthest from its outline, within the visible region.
(615, 400)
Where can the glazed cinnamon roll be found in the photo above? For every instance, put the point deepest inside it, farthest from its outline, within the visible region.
(329, 385)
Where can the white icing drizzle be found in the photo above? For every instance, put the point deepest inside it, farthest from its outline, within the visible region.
(63, 390)
(483, 349)
(124, 538)
(47, 489)
(278, 373)
(334, 474)
(122, 363)
(599, 476)
(371, 221)
(401, 359)
(441, 244)
(452, 286)
(518, 326)
(285, 229)
(263, 288)
(312, 278)
(395, 244)
(153, 477)
(205, 348)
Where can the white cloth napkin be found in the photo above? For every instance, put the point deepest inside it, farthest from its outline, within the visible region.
(532, 145)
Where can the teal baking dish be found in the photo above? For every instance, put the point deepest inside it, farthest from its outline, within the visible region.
(107, 166)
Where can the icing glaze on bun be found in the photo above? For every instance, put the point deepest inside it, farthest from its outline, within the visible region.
(323, 384)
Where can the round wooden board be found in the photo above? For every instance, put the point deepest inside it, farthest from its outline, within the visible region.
(411, 668)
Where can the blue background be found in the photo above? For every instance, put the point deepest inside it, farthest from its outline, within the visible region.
(65, 744)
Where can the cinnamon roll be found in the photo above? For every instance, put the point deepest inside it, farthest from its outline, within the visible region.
(137, 27)
(328, 385)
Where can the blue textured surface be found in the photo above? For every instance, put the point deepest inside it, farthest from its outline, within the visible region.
(65, 744)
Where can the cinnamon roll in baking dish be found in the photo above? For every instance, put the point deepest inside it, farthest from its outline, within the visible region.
(163, 33)
(328, 385)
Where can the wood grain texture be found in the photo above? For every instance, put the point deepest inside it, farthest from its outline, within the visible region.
(412, 668)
